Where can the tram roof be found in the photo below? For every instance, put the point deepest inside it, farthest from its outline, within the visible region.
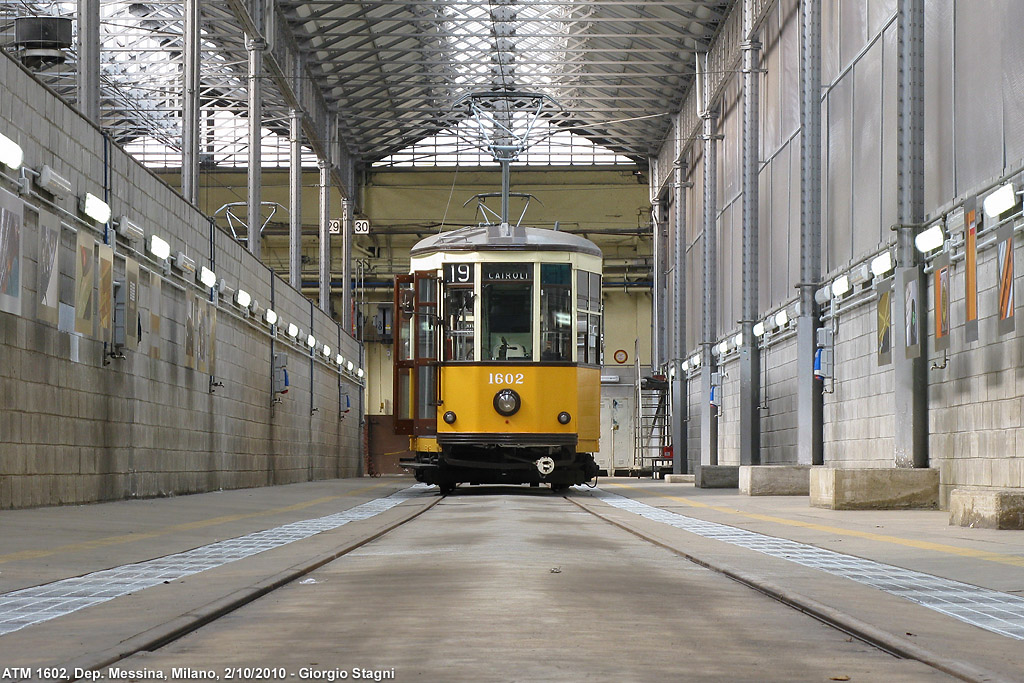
(483, 238)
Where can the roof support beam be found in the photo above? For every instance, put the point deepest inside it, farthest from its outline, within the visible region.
(299, 89)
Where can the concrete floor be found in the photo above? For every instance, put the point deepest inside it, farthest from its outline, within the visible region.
(521, 585)
(503, 584)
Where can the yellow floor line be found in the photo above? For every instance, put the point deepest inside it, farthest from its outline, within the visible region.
(1014, 560)
(187, 526)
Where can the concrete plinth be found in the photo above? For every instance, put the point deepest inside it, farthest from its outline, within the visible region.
(874, 489)
(717, 476)
(775, 480)
(987, 509)
(679, 478)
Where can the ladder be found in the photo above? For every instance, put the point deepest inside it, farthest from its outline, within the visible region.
(652, 433)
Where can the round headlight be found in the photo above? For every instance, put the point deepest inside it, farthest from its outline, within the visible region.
(449, 417)
(507, 402)
(564, 418)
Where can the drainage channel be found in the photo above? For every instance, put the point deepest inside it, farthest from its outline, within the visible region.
(994, 611)
(37, 604)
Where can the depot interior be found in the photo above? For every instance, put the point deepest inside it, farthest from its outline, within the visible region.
(808, 214)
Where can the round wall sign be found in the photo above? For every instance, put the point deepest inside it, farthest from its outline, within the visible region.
(621, 356)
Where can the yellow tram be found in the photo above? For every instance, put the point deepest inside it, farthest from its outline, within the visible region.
(497, 357)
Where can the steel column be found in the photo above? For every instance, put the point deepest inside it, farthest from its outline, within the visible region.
(89, 59)
(709, 326)
(346, 265)
(325, 236)
(750, 358)
(255, 181)
(678, 315)
(659, 218)
(190, 130)
(910, 374)
(810, 435)
(295, 201)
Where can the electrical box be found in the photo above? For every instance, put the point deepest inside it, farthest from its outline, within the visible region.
(120, 313)
(280, 373)
(383, 321)
(826, 337)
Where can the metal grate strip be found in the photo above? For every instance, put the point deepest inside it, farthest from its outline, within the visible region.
(22, 608)
(991, 610)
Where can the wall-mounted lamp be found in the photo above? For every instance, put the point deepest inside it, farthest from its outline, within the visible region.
(54, 183)
(270, 316)
(695, 361)
(242, 298)
(158, 248)
(781, 318)
(11, 154)
(861, 273)
(930, 239)
(292, 331)
(129, 230)
(360, 373)
(207, 277)
(759, 329)
(339, 359)
(840, 286)
(184, 263)
(737, 341)
(769, 323)
(94, 207)
(881, 264)
(311, 341)
(823, 295)
(1000, 201)
(686, 366)
(326, 350)
(723, 348)
(350, 365)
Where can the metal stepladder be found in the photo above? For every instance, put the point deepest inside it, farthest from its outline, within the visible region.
(652, 414)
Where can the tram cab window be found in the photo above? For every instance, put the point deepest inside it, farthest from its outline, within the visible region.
(588, 318)
(556, 312)
(459, 323)
(507, 311)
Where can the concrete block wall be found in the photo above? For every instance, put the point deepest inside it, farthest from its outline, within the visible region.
(778, 398)
(976, 402)
(74, 429)
(858, 413)
(729, 412)
(695, 408)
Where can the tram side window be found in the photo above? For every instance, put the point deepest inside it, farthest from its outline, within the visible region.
(556, 312)
(588, 318)
(459, 324)
(507, 310)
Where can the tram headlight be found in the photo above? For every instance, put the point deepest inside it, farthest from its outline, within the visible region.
(564, 418)
(507, 402)
(449, 417)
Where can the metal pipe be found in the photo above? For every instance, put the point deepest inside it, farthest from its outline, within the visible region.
(190, 105)
(810, 432)
(295, 201)
(750, 359)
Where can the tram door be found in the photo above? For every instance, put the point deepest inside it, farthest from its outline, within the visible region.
(416, 354)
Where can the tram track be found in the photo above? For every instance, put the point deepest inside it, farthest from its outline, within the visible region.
(869, 634)
(182, 625)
